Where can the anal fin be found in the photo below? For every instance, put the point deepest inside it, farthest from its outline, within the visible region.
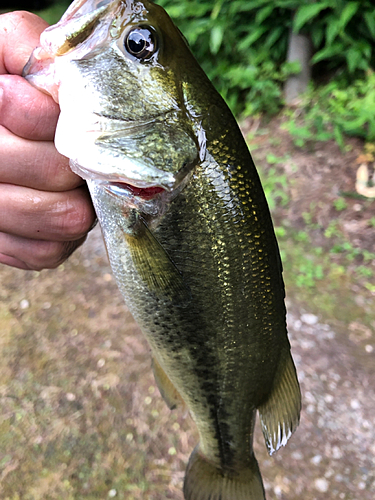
(168, 391)
(279, 415)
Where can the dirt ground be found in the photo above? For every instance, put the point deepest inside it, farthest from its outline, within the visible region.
(81, 417)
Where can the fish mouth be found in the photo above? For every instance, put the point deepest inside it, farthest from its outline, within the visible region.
(152, 182)
(126, 189)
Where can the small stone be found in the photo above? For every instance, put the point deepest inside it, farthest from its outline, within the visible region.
(297, 455)
(112, 493)
(354, 404)
(310, 409)
(24, 304)
(309, 319)
(278, 491)
(316, 460)
(321, 484)
(369, 348)
(328, 398)
(101, 363)
(70, 396)
(297, 324)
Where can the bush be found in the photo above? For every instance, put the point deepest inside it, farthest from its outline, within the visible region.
(342, 32)
(242, 45)
(234, 43)
(335, 109)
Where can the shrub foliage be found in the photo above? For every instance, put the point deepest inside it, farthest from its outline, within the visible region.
(242, 45)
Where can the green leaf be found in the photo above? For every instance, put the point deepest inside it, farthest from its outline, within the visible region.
(348, 12)
(317, 37)
(242, 6)
(274, 36)
(251, 38)
(370, 21)
(332, 30)
(354, 59)
(216, 38)
(216, 10)
(328, 52)
(306, 13)
(338, 136)
(262, 14)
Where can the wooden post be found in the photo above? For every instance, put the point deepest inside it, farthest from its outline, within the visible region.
(299, 49)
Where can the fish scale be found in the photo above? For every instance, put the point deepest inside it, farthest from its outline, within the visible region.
(186, 225)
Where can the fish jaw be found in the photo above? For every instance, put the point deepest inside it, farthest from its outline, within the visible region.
(80, 18)
(99, 144)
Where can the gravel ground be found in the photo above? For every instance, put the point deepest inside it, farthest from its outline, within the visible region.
(333, 451)
(81, 417)
(332, 454)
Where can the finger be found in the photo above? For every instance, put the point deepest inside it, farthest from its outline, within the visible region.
(34, 164)
(19, 35)
(41, 215)
(26, 111)
(29, 254)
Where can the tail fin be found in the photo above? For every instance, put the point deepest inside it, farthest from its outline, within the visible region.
(204, 481)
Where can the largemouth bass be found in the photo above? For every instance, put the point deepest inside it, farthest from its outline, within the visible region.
(186, 225)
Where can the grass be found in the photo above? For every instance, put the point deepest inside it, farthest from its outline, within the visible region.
(323, 275)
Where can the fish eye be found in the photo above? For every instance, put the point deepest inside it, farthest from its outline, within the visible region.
(140, 42)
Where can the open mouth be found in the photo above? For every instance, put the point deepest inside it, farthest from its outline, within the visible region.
(122, 188)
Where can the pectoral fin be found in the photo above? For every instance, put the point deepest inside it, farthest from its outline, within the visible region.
(154, 265)
(168, 391)
(279, 415)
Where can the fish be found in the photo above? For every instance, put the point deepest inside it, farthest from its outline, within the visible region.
(186, 225)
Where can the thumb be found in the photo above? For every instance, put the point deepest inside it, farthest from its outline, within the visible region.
(19, 35)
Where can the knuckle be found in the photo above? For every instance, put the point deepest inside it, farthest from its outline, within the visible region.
(50, 254)
(76, 218)
(47, 255)
(79, 223)
(22, 19)
(58, 172)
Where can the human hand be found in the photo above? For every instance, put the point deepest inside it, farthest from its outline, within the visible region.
(45, 209)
